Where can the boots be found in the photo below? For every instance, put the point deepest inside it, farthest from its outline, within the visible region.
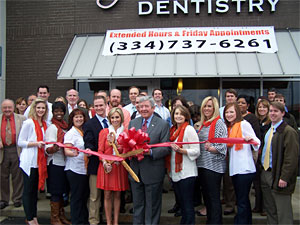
(55, 213)
(62, 216)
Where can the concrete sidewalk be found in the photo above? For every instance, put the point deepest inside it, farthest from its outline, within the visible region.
(166, 218)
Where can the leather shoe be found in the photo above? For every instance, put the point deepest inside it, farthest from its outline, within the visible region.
(263, 214)
(178, 213)
(17, 204)
(3, 205)
(122, 210)
(228, 212)
(131, 211)
(174, 209)
(256, 210)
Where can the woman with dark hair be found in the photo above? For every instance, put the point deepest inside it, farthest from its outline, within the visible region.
(181, 164)
(212, 160)
(75, 168)
(57, 180)
(262, 114)
(21, 105)
(32, 159)
(111, 177)
(82, 103)
(241, 164)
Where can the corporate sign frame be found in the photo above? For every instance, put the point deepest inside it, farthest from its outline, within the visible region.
(166, 7)
(192, 39)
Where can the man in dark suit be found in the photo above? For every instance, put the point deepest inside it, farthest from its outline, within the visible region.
(10, 124)
(72, 97)
(91, 130)
(147, 194)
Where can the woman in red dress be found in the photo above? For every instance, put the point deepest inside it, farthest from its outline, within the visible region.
(112, 176)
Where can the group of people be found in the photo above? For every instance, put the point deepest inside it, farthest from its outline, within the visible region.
(268, 157)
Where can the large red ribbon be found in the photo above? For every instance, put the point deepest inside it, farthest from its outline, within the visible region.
(134, 140)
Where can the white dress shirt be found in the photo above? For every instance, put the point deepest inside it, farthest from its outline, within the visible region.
(189, 167)
(75, 164)
(58, 158)
(130, 108)
(28, 156)
(241, 161)
(162, 111)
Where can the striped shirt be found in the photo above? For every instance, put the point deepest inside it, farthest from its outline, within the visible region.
(212, 161)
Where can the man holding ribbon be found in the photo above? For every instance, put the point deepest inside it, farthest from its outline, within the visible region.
(280, 165)
(147, 194)
(91, 130)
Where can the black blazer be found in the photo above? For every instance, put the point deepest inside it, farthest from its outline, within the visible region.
(91, 130)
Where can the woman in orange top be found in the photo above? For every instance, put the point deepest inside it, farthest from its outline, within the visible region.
(112, 176)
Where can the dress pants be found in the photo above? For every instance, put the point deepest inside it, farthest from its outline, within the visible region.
(185, 190)
(30, 193)
(79, 186)
(278, 206)
(10, 165)
(211, 185)
(147, 199)
(94, 200)
(242, 185)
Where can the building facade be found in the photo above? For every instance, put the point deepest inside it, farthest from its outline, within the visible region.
(39, 35)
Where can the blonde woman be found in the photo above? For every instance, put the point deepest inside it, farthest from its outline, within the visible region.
(211, 162)
(111, 177)
(32, 159)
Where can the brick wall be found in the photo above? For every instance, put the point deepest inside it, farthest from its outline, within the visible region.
(39, 33)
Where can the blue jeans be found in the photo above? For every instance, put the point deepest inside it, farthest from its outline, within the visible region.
(186, 199)
(242, 185)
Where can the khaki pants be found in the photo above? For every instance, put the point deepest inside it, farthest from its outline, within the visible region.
(94, 200)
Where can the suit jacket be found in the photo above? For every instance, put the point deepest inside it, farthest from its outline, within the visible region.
(18, 121)
(91, 130)
(66, 116)
(152, 168)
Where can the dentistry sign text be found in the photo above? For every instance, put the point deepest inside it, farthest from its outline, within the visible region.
(192, 39)
(166, 7)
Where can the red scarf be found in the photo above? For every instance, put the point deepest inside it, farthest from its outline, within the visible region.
(212, 128)
(178, 157)
(42, 158)
(60, 125)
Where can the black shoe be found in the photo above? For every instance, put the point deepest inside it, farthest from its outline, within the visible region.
(131, 211)
(17, 204)
(164, 191)
(3, 205)
(174, 209)
(178, 213)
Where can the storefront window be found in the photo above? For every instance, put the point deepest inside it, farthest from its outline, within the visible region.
(194, 90)
(86, 89)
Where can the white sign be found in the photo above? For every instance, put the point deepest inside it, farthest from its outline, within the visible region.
(192, 39)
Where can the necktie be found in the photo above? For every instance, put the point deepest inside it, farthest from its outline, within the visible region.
(144, 127)
(267, 154)
(104, 121)
(8, 138)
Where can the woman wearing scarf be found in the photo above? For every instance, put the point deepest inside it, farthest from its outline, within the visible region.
(181, 164)
(112, 177)
(33, 161)
(241, 164)
(75, 168)
(57, 180)
(212, 161)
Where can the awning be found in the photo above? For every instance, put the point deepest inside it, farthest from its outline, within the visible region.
(84, 60)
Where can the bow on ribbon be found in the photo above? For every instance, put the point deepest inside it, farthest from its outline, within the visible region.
(134, 140)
